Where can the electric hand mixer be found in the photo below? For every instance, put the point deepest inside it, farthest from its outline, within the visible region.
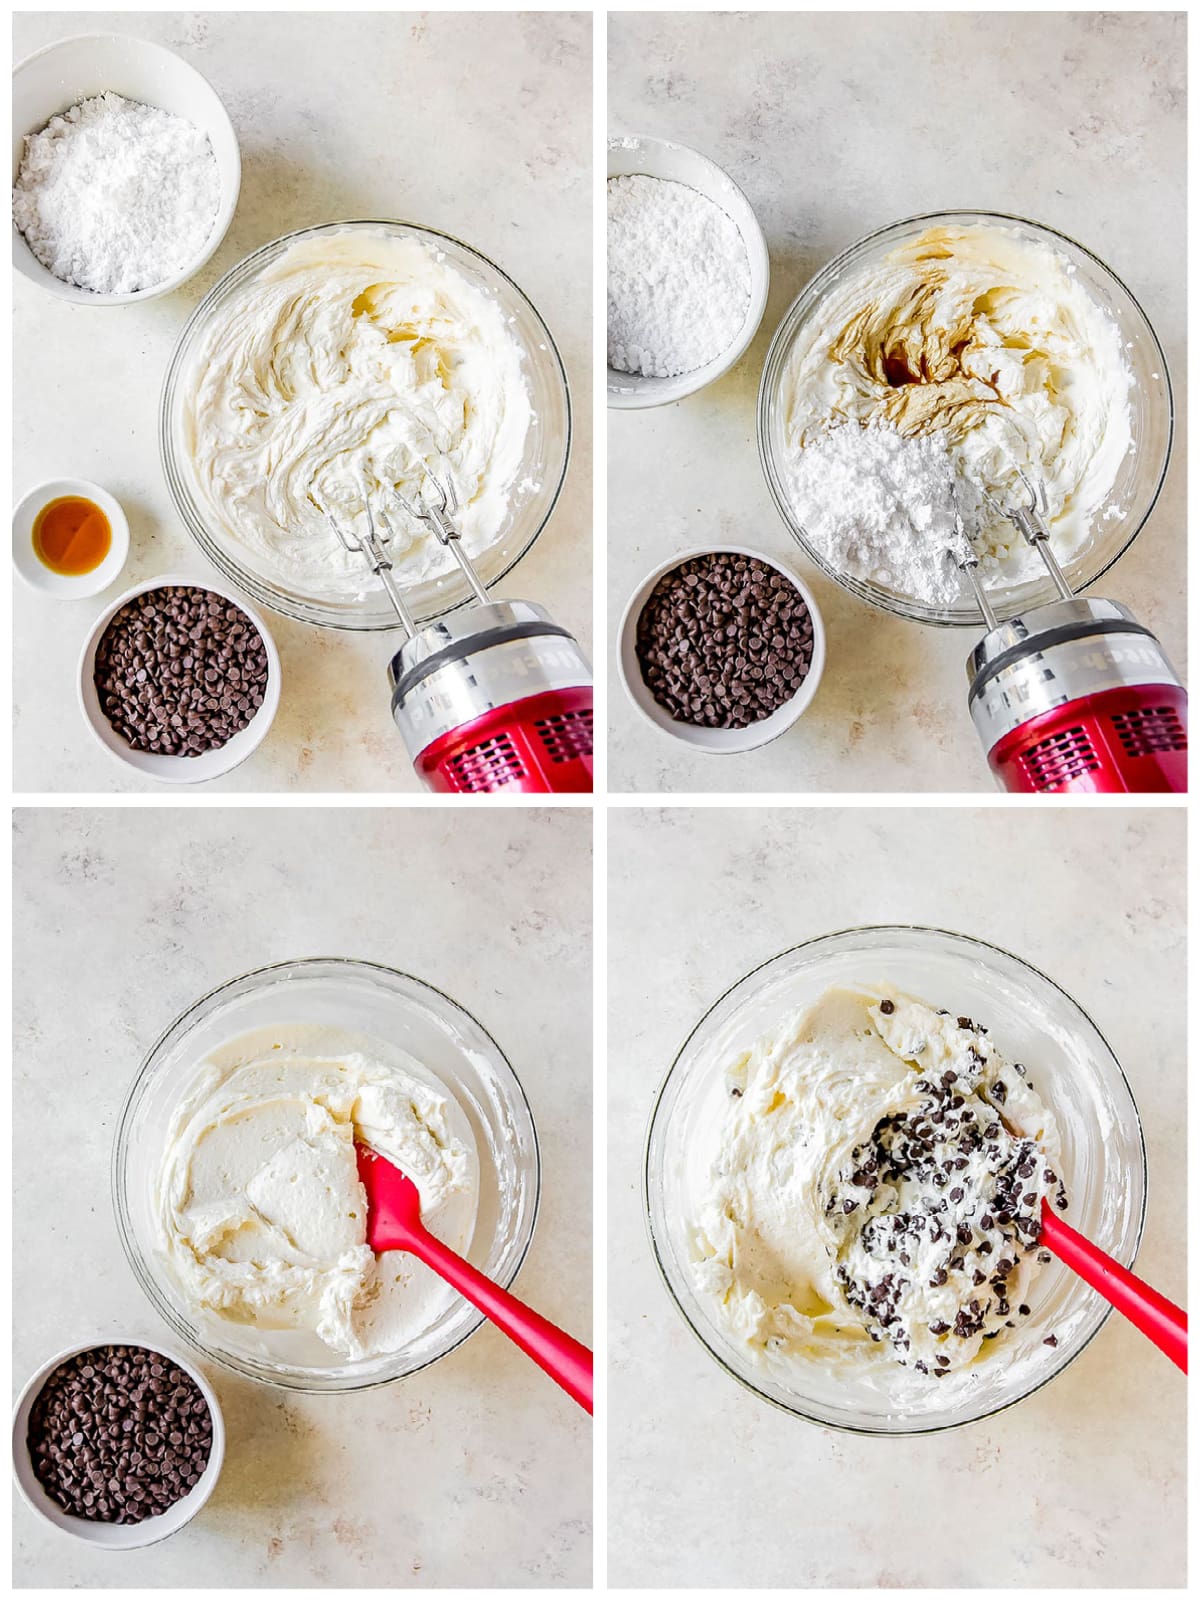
(1073, 696)
(495, 697)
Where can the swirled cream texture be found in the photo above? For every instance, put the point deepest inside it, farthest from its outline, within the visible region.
(988, 341)
(867, 1195)
(260, 1212)
(354, 357)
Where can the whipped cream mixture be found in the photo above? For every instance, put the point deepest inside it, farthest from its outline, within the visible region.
(867, 1193)
(260, 1211)
(354, 358)
(989, 343)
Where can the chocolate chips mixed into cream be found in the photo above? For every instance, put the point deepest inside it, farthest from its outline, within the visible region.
(867, 1181)
(940, 1213)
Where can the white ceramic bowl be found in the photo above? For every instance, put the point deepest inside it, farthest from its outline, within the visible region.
(109, 1535)
(658, 158)
(62, 74)
(179, 769)
(717, 741)
(36, 573)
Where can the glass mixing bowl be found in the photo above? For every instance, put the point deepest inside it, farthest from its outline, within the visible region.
(538, 481)
(361, 1000)
(1142, 471)
(1029, 1019)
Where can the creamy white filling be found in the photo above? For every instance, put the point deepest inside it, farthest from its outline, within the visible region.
(354, 357)
(805, 1182)
(261, 1215)
(990, 342)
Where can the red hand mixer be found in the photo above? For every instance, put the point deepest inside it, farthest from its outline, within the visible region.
(494, 698)
(1073, 696)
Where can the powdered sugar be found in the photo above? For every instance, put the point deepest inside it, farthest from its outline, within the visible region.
(115, 196)
(882, 508)
(678, 278)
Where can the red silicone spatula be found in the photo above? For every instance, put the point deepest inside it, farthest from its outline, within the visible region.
(1148, 1310)
(394, 1223)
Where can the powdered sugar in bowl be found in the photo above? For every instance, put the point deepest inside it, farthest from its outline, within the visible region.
(71, 71)
(911, 344)
(745, 282)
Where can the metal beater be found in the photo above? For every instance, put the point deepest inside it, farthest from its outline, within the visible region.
(493, 697)
(1075, 695)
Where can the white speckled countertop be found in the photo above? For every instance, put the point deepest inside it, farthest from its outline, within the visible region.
(834, 125)
(476, 1472)
(1081, 1485)
(475, 124)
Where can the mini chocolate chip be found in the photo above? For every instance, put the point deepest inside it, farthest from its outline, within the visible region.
(721, 642)
(151, 694)
(99, 1395)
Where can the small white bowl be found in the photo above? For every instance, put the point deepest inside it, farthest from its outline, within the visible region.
(112, 1535)
(54, 79)
(717, 741)
(38, 575)
(179, 769)
(658, 158)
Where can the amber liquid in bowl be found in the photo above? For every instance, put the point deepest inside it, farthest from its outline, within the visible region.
(71, 536)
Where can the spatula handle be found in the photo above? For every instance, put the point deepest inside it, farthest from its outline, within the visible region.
(567, 1361)
(1156, 1316)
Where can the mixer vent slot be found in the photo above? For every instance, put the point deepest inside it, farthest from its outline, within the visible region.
(487, 766)
(1150, 732)
(1059, 759)
(567, 735)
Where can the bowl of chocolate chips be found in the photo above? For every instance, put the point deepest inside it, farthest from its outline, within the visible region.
(722, 649)
(119, 1444)
(179, 679)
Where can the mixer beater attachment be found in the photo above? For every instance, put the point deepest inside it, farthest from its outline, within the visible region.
(437, 513)
(966, 558)
(372, 544)
(493, 697)
(1030, 522)
(1029, 519)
